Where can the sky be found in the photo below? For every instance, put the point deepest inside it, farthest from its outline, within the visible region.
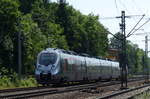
(112, 8)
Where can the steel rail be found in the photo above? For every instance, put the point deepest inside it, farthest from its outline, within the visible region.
(42, 87)
(38, 92)
(123, 92)
(22, 89)
(34, 93)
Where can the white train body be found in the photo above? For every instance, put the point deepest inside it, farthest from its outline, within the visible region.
(55, 65)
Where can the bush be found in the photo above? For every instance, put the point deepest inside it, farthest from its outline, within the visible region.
(11, 80)
(28, 82)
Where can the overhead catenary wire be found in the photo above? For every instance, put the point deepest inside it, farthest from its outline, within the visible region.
(139, 27)
(128, 16)
(117, 9)
(114, 35)
(116, 6)
(137, 6)
(117, 17)
(125, 7)
(135, 25)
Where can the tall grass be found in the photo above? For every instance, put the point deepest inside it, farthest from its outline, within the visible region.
(12, 80)
(143, 95)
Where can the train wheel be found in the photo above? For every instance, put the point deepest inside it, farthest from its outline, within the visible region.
(85, 80)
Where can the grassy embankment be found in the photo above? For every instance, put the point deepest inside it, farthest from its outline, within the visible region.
(14, 82)
(11, 80)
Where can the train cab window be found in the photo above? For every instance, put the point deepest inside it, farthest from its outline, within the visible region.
(47, 58)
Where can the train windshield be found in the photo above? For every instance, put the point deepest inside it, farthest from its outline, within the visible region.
(47, 58)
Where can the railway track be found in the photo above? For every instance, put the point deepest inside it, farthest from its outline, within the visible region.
(40, 91)
(120, 93)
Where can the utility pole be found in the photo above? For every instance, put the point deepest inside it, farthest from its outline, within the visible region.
(146, 62)
(145, 57)
(122, 54)
(19, 52)
(123, 58)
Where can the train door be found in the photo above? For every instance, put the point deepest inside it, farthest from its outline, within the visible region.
(72, 68)
(80, 68)
(109, 70)
(76, 68)
(83, 69)
(64, 69)
(100, 70)
(112, 74)
(84, 65)
(114, 70)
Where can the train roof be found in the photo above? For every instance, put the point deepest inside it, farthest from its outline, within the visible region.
(79, 54)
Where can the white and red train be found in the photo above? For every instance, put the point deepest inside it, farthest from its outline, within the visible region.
(57, 65)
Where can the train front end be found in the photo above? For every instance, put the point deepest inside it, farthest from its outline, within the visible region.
(47, 67)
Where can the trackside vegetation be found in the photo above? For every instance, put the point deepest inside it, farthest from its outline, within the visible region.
(12, 80)
(143, 95)
(44, 24)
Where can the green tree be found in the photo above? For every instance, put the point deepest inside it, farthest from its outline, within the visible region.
(26, 6)
(83, 33)
(116, 41)
(9, 13)
(135, 56)
(45, 17)
(33, 41)
(96, 39)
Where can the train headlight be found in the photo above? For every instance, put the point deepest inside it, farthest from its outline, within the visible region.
(53, 67)
(39, 66)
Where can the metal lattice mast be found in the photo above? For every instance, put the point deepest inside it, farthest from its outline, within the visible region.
(123, 63)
